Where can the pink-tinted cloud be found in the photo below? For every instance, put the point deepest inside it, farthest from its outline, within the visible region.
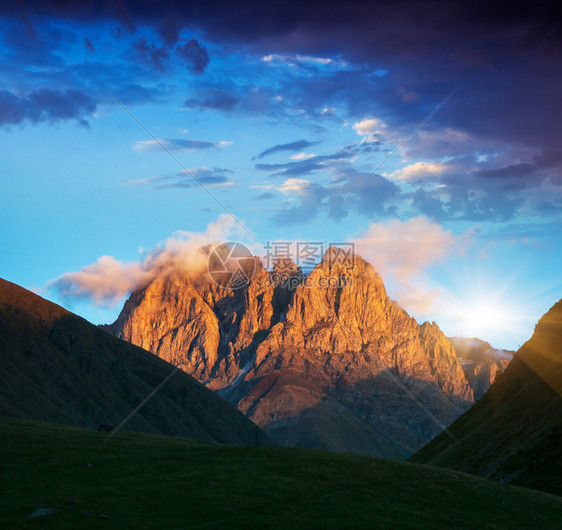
(403, 251)
(108, 280)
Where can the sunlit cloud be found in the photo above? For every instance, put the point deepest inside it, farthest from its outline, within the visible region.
(297, 59)
(303, 156)
(373, 130)
(369, 126)
(418, 171)
(108, 280)
(403, 251)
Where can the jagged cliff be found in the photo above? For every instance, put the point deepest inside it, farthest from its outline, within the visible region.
(480, 362)
(332, 363)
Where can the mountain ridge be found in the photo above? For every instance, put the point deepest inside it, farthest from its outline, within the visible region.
(295, 360)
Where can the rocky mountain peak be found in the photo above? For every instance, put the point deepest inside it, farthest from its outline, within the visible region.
(284, 353)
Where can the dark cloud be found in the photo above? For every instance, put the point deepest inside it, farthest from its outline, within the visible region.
(173, 144)
(206, 177)
(291, 169)
(504, 57)
(214, 99)
(45, 105)
(369, 194)
(194, 56)
(153, 56)
(88, 44)
(314, 163)
(265, 196)
(188, 179)
(371, 199)
(428, 205)
(304, 23)
(466, 199)
(298, 145)
(373, 196)
(499, 53)
(336, 208)
(311, 196)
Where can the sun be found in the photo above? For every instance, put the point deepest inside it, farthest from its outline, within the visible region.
(484, 317)
(488, 305)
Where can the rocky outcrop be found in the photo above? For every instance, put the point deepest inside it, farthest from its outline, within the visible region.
(326, 360)
(480, 362)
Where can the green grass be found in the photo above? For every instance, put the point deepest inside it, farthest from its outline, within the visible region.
(147, 481)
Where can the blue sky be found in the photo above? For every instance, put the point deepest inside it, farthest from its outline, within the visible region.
(283, 112)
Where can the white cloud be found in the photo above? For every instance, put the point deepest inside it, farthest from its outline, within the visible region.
(224, 144)
(108, 280)
(369, 126)
(296, 59)
(294, 187)
(373, 129)
(147, 145)
(303, 156)
(418, 170)
(141, 181)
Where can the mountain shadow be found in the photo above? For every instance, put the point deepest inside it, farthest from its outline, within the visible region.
(390, 415)
(57, 367)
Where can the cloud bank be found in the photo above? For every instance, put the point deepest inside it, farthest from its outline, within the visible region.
(107, 281)
(45, 105)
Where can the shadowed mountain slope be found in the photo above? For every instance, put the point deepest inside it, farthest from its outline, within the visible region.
(56, 366)
(513, 434)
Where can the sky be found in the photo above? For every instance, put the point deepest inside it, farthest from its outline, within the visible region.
(427, 134)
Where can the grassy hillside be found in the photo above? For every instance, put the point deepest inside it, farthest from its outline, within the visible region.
(148, 481)
(513, 434)
(56, 366)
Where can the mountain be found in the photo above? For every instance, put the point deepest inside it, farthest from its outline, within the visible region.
(513, 433)
(325, 360)
(55, 366)
(480, 362)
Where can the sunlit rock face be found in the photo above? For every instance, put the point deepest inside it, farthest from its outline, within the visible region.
(326, 360)
(480, 362)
